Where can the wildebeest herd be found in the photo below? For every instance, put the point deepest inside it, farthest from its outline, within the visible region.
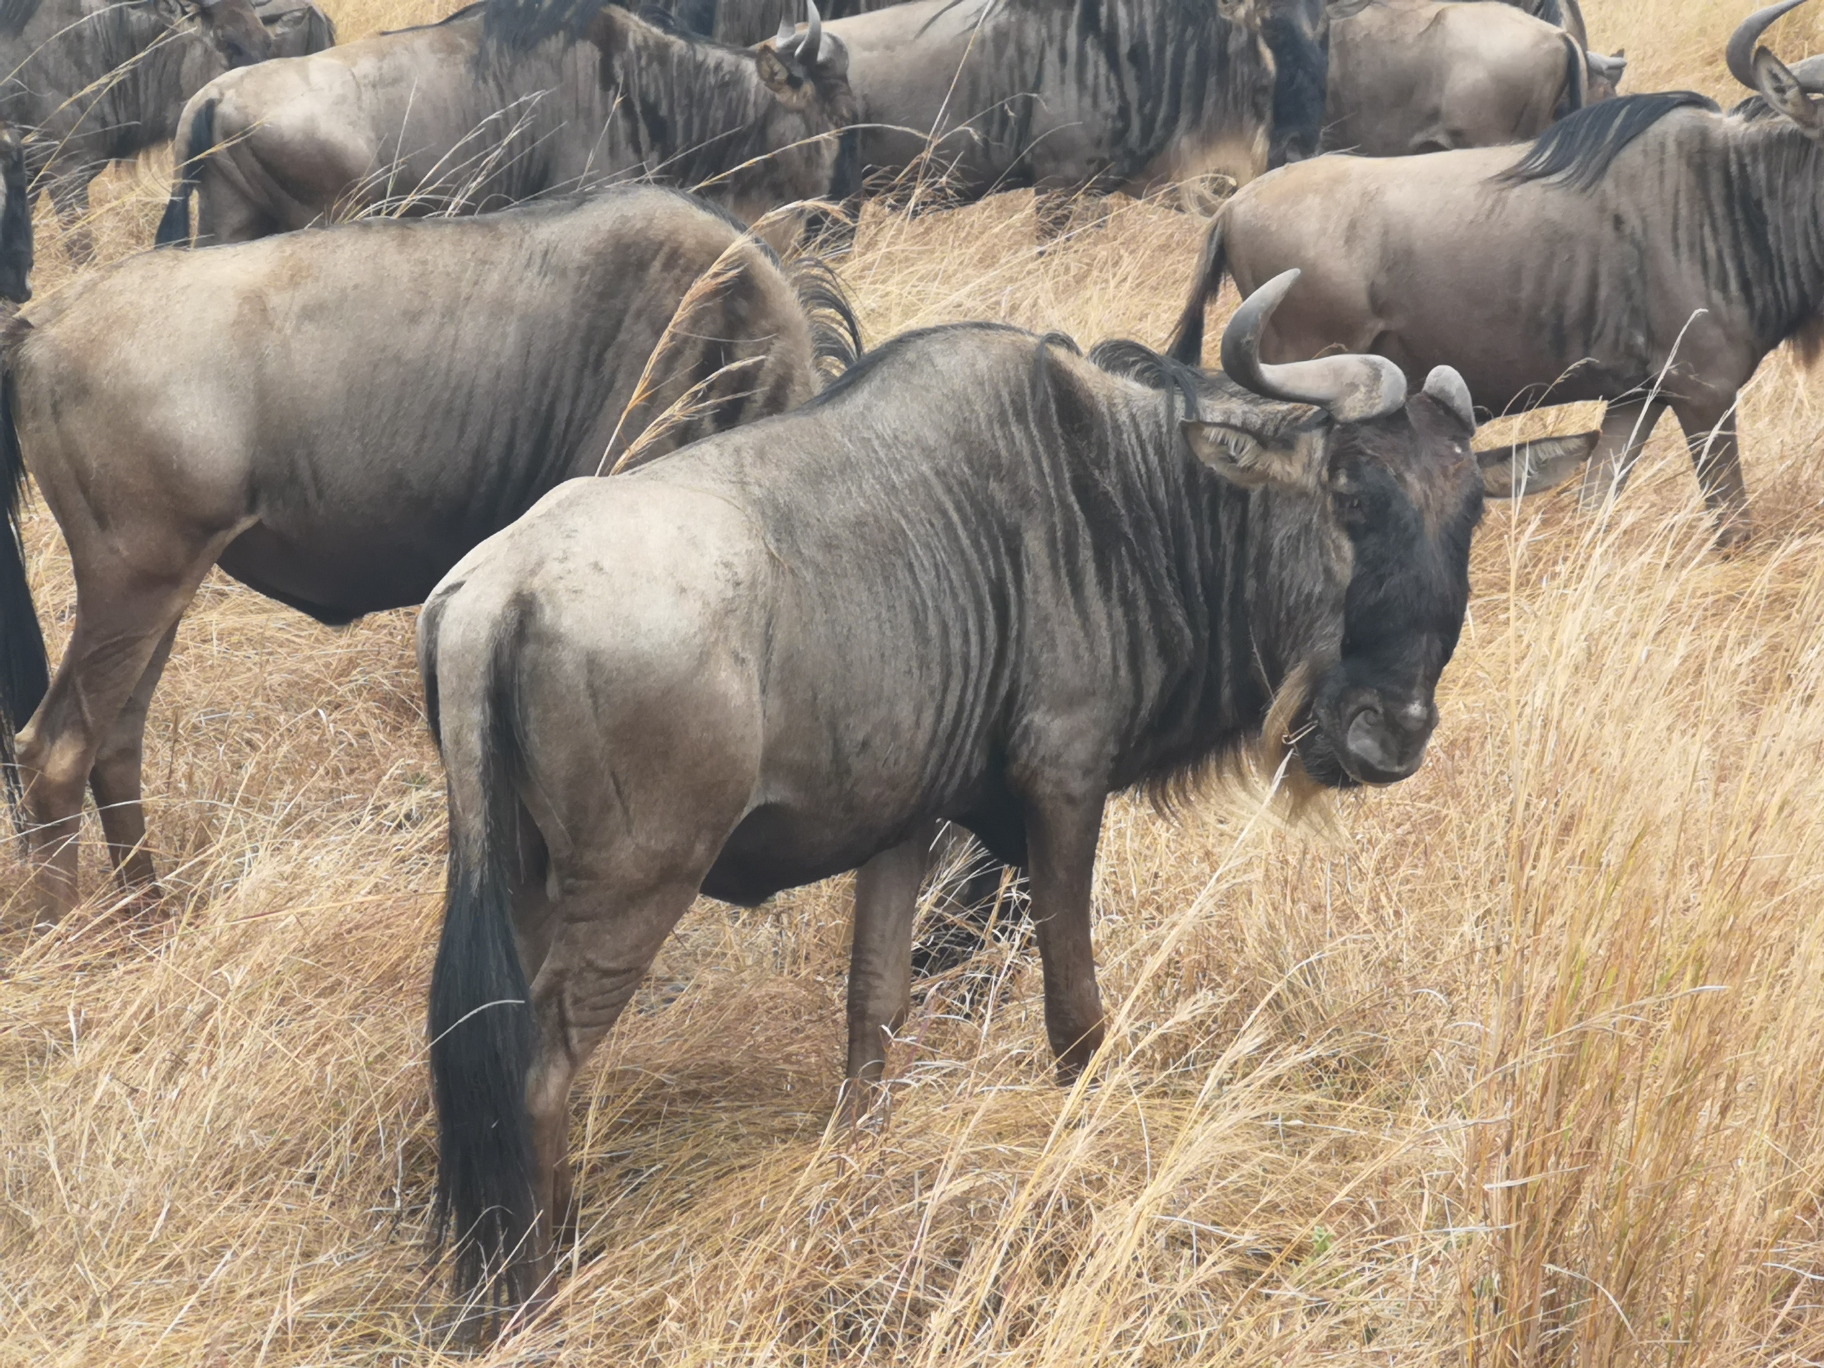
(716, 604)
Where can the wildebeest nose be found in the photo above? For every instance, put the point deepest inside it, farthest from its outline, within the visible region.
(1386, 741)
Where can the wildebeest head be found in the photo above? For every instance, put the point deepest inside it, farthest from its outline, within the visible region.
(1787, 91)
(1297, 33)
(233, 27)
(1368, 500)
(1604, 75)
(15, 219)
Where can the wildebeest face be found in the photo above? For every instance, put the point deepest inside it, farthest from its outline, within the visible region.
(808, 74)
(235, 30)
(15, 219)
(1297, 33)
(1366, 501)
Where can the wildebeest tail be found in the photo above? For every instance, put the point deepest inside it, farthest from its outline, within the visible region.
(1576, 91)
(1187, 340)
(174, 227)
(24, 668)
(835, 331)
(480, 1017)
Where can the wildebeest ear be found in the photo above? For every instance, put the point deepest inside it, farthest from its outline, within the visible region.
(1786, 93)
(1512, 472)
(1239, 12)
(1251, 460)
(773, 70)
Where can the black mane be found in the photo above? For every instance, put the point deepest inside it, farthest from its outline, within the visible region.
(1576, 151)
(521, 25)
(15, 15)
(1138, 362)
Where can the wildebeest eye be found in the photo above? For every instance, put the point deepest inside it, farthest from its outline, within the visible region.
(1352, 506)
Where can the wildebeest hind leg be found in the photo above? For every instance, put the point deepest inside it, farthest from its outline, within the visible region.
(1061, 847)
(1710, 438)
(880, 960)
(607, 935)
(115, 778)
(1626, 425)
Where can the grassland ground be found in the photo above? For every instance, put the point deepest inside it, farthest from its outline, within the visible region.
(1519, 1062)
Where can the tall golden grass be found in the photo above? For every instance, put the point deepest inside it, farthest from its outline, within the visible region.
(1520, 1062)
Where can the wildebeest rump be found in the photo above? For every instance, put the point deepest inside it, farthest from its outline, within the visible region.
(1648, 251)
(502, 102)
(981, 578)
(342, 415)
(89, 83)
(1124, 95)
(1411, 76)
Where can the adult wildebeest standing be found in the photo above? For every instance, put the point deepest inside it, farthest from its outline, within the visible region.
(502, 102)
(981, 578)
(1647, 251)
(1411, 76)
(1124, 95)
(92, 83)
(343, 415)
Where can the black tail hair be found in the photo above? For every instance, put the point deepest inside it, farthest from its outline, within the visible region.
(1187, 341)
(1576, 80)
(24, 668)
(174, 227)
(481, 1016)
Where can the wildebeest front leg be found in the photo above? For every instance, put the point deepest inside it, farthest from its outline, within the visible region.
(1626, 425)
(880, 960)
(1061, 838)
(1710, 438)
(116, 776)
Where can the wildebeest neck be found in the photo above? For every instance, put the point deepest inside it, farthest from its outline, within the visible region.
(1060, 484)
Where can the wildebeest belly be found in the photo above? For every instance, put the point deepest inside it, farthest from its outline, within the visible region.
(337, 580)
(778, 846)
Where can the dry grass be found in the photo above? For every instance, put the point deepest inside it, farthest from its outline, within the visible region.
(1520, 1062)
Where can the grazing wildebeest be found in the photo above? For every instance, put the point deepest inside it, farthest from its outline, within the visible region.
(92, 83)
(1123, 95)
(981, 578)
(345, 413)
(1410, 76)
(1647, 251)
(502, 102)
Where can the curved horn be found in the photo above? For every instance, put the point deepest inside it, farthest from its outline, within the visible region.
(1352, 387)
(1740, 52)
(786, 30)
(1448, 388)
(812, 46)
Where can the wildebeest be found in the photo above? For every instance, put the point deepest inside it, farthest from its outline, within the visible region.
(343, 414)
(1123, 95)
(983, 578)
(502, 102)
(1410, 76)
(87, 84)
(1647, 251)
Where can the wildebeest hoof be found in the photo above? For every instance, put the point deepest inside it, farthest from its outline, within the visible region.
(1734, 536)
